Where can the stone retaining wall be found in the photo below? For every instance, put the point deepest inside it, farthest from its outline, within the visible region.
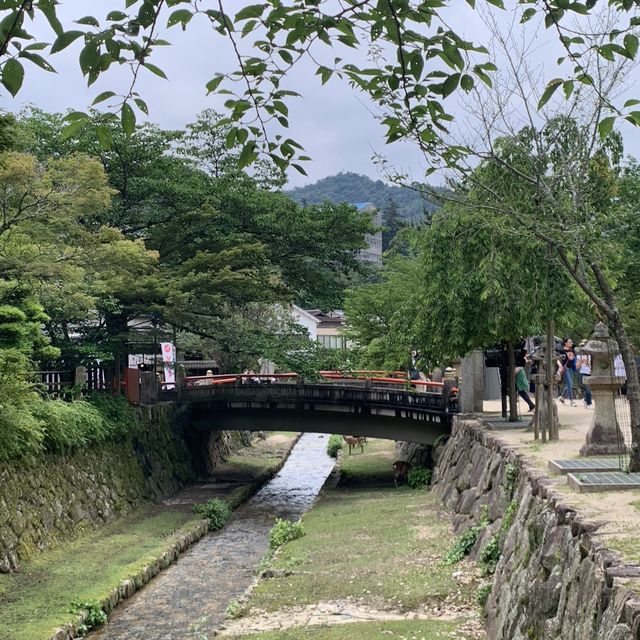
(45, 498)
(554, 579)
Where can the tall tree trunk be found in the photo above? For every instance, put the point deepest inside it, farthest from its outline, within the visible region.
(633, 390)
(511, 377)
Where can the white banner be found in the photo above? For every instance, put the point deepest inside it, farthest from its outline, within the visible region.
(169, 358)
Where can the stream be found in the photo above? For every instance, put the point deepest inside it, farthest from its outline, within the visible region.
(189, 599)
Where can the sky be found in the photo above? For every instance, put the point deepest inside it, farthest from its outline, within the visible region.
(334, 124)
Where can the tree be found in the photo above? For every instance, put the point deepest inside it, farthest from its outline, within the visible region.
(381, 316)
(417, 60)
(392, 223)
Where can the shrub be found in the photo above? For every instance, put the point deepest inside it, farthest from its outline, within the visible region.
(334, 445)
(94, 615)
(285, 531)
(489, 556)
(215, 510)
(419, 477)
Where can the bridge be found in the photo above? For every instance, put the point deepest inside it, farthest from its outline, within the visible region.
(365, 405)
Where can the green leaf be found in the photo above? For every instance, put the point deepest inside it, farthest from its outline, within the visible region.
(104, 136)
(88, 20)
(605, 127)
(527, 14)
(450, 84)
(142, 105)
(48, 9)
(213, 84)
(105, 95)
(631, 103)
(157, 70)
(116, 16)
(65, 39)
(12, 76)
(551, 88)
(38, 60)
(252, 11)
(128, 118)
(73, 127)
(466, 82)
(567, 87)
(182, 16)
(247, 155)
(631, 44)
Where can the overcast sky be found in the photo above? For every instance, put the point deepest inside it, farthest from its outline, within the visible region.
(333, 123)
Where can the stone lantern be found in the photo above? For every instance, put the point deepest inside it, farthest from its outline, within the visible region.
(604, 436)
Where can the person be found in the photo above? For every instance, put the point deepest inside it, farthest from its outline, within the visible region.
(583, 367)
(567, 369)
(620, 372)
(522, 385)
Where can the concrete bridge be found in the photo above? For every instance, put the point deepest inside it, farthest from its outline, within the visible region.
(375, 407)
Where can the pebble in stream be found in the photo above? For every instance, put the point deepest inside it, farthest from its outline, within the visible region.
(197, 589)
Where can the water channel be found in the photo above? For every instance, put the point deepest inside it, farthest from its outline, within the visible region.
(194, 592)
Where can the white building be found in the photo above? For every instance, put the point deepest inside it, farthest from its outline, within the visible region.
(373, 252)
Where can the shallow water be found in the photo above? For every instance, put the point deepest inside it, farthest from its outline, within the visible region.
(189, 599)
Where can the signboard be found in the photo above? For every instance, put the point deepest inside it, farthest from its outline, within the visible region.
(169, 358)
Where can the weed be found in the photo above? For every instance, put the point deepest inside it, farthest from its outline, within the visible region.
(482, 594)
(94, 615)
(419, 477)
(489, 556)
(265, 562)
(284, 531)
(334, 445)
(215, 510)
(509, 515)
(234, 610)
(463, 545)
(510, 478)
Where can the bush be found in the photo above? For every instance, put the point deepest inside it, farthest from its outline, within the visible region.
(334, 445)
(285, 531)
(419, 477)
(216, 511)
(21, 433)
(94, 615)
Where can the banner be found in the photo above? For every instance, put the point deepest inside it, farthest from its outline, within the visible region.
(169, 358)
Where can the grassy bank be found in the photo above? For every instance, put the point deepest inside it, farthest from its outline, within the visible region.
(35, 601)
(375, 547)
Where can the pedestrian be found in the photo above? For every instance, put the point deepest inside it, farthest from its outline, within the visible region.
(522, 385)
(583, 367)
(567, 369)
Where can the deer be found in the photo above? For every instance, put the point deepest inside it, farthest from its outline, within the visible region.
(400, 470)
(354, 441)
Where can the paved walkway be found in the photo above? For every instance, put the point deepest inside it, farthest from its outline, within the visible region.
(619, 511)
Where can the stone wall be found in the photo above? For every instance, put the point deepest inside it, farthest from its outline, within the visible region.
(554, 579)
(43, 499)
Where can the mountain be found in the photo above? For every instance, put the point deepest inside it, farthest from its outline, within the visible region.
(353, 187)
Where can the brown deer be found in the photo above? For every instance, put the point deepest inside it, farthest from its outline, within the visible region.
(353, 442)
(400, 470)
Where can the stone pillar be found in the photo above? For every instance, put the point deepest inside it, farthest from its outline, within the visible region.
(604, 437)
(472, 383)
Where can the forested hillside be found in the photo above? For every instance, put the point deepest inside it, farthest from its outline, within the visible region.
(353, 187)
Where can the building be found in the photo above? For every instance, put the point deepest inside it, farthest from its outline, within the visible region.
(373, 252)
(329, 329)
(307, 320)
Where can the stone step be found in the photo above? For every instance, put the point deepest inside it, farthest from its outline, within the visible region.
(613, 481)
(587, 465)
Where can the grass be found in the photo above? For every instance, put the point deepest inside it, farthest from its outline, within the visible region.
(35, 601)
(373, 544)
(420, 630)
